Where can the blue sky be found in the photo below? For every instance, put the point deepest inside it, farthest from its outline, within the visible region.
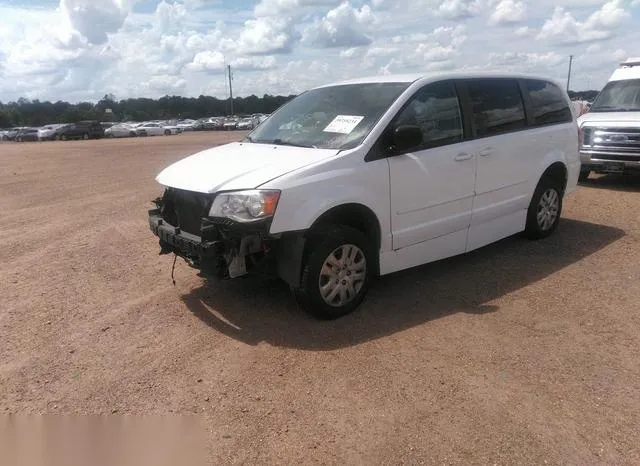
(82, 49)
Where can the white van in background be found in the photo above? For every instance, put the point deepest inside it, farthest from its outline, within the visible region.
(372, 176)
(610, 141)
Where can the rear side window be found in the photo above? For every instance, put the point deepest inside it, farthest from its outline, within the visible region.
(548, 101)
(497, 106)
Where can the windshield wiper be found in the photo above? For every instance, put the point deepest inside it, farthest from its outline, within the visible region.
(281, 142)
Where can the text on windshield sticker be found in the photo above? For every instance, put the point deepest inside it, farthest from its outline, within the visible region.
(343, 124)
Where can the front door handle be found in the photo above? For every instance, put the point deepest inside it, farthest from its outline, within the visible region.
(486, 152)
(462, 156)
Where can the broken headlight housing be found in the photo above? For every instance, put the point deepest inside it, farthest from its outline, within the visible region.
(245, 206)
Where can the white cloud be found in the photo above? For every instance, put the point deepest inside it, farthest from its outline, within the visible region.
(508, 11)
(524, 31)
(263, 36)
(95, 19)
(526, 60)
(344, 26)
(459, 9)
(286, 7)
(89, 48)
(563, 28)
(208, 61)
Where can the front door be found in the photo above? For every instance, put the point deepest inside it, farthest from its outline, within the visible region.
(432, 186)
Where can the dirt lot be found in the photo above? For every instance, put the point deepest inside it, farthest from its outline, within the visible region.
(522, 352)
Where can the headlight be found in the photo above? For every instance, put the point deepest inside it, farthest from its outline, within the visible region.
(245, 206)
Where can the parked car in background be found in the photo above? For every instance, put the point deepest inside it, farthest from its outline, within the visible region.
(82, 130)
(214, 123)
(10, 134)
(173, 129)
(27, 135)
(51, 132)
(371, 176)
(610, 130)
(246, 124)
(121, 130)
(186, 125)
(152, 129)
(230, 124)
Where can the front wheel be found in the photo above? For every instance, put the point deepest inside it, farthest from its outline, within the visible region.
(545, 208)
(336, 273)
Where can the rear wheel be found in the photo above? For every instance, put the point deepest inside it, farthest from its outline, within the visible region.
(336, 273)
(545, 209)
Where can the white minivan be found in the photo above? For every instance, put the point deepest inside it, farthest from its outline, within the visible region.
(371, 176)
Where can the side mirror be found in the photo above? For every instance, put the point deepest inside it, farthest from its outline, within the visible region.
(406, 137)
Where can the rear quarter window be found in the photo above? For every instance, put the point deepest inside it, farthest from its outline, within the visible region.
(548, 101)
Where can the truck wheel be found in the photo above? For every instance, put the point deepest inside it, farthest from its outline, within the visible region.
(545, 208)
(584, 175)
(336, 273)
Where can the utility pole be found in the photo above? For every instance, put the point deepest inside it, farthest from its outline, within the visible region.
(230, 88)
(569, 75)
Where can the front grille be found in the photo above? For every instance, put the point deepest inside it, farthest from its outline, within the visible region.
(612, 139)
(185, 209)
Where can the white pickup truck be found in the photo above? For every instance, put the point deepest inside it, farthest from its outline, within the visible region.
(610, 141)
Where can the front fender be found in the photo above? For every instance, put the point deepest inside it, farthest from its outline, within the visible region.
(308, 194)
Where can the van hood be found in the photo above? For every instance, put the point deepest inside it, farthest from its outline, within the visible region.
(623, 118)
(238, 166)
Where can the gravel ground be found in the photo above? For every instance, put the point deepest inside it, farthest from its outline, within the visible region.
(519, 353)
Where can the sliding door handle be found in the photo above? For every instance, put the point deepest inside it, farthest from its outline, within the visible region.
(462, 156)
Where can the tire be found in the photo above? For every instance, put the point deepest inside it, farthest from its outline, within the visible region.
(132, 134)
(326, 253)
(85, 136)
(167, 132)
(57, 137)
(63, 137)
(584, 175)
(545, 208)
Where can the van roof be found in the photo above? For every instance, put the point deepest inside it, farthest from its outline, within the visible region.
(439, 75)
(628, 69)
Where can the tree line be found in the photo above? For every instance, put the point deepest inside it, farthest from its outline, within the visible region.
(25, 112)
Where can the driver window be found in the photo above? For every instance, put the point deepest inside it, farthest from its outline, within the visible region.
(435, 110)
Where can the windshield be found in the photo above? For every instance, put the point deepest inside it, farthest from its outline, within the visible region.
(335, 117)
(618, 96)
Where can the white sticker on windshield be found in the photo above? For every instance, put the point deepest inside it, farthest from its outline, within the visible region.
(343, 124)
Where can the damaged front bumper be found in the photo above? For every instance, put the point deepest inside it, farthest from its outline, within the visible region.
(224, 249)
